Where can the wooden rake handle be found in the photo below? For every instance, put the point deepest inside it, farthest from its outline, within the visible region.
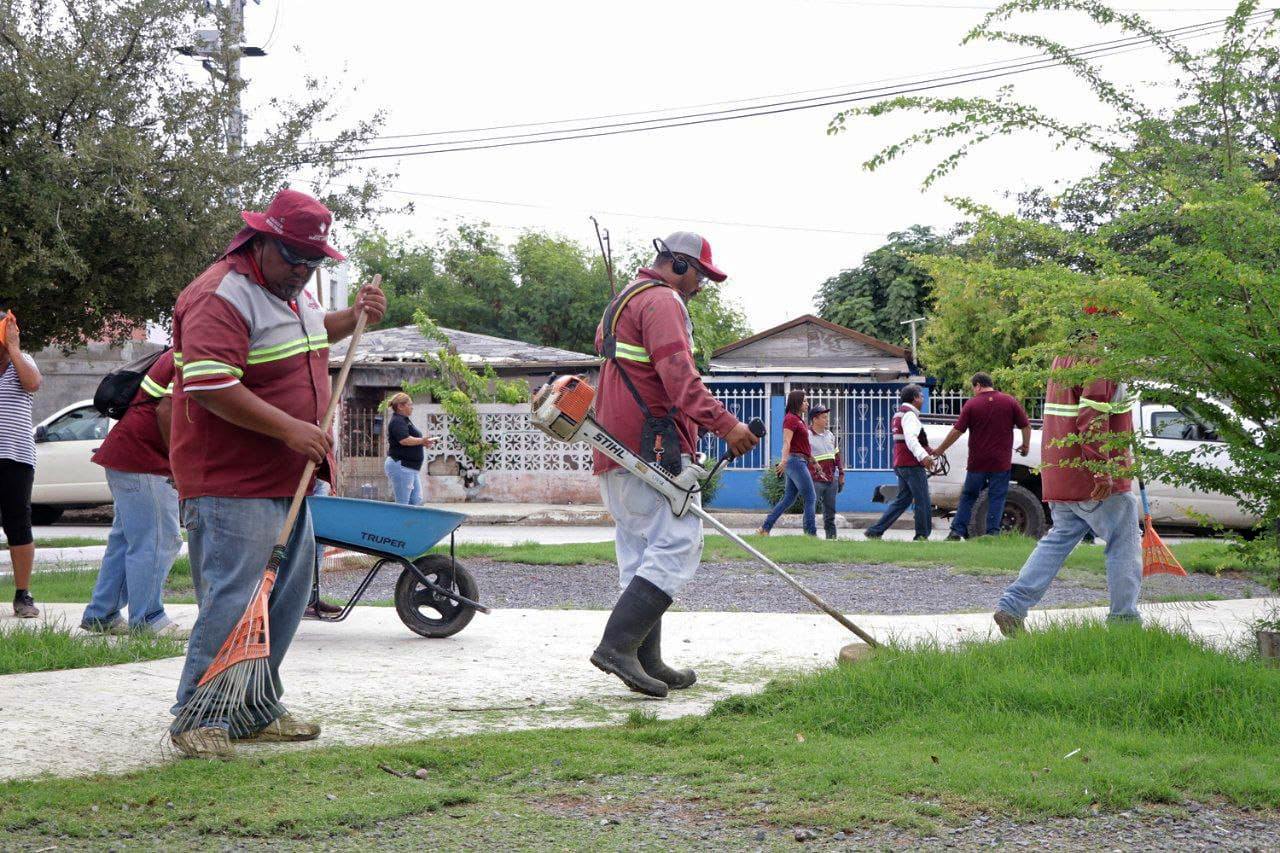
(325, 423)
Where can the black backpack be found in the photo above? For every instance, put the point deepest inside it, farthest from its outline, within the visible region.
(118, 388)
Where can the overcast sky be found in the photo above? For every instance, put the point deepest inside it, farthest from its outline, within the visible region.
(445, 66)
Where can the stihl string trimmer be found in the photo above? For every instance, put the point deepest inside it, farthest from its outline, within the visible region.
(562, 409)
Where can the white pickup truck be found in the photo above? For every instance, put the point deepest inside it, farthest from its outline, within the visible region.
(1163, 427)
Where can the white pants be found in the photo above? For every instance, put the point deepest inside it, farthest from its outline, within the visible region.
(651, 541)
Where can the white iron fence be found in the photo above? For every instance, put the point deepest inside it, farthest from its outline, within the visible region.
(860, 419)
(745, 401)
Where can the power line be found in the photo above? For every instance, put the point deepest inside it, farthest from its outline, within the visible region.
(830, 91)
(670, 218)
(614, 129)
(275, 22)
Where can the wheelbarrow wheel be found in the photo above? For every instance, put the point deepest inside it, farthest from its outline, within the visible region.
(425, 611)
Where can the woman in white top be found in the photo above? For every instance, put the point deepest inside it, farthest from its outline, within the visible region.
(19, 379)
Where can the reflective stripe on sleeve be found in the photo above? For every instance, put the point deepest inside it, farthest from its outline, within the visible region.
(1118, 408)
(631, 352)
(1063, 410)
(152, 387)
(209, 368)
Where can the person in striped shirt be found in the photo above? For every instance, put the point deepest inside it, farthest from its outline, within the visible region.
(19, 380)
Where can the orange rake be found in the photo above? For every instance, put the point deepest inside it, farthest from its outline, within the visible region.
(1157, 559)
(238, 682)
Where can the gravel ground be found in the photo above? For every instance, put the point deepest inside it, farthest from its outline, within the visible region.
(1193, 826)
(747, 586)
(655, 823)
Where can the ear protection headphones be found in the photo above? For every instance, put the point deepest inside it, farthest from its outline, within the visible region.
(679, 266)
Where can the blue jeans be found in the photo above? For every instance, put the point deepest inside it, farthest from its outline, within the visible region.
(406, 484)
(913, 489)
(799, 482)
(997, 485)
(230, 541)
(143, 542)
(828, 492)
(1116, 521)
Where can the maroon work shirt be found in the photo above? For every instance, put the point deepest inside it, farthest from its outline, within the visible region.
(799, 435)
(228, 329)
(990, 418)
(135, 445)
(655, 347)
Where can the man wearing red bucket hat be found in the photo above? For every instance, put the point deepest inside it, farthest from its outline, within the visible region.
(251, 351)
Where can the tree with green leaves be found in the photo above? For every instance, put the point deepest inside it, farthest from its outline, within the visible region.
(116, 186)
(1174, 239)
(542, 288)
(889, 287)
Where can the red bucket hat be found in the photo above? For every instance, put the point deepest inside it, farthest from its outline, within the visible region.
(294, 218)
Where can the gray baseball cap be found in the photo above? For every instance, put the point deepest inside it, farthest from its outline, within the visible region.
(692, 246)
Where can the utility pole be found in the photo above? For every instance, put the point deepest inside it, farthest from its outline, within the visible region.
(912, 323)
(235, 83)
(209, 47)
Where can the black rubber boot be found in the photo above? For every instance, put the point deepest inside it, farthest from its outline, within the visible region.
(650, 654)
(637, 611)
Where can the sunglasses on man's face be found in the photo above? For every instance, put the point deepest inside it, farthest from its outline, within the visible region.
(293, 259)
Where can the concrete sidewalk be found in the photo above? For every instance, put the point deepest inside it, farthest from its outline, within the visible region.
(369, 680)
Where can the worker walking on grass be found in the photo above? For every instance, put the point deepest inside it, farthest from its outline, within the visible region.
(653, 400)
(145, 536)
(252, 354)
(912, 463)
(990, 417)
(1087, 428)
(827, 466)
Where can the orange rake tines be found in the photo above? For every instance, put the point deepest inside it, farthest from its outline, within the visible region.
(1157, 559)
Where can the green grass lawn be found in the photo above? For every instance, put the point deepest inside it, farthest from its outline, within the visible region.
(984, 555)
(47, 646)
(1058, 722)
(62, 542)
(76, 584)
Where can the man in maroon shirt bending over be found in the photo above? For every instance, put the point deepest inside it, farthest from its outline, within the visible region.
(649, 372)
(990, 417)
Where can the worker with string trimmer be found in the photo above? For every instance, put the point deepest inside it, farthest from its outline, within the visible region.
(652, 399)
(252, 351)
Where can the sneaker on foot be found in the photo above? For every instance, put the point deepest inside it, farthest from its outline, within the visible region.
(171, 630)
(871, 535)
(955, 537)
(283, 729)
(1008, 624)
(760, 531)
(117, 625)
(24, 606)
(209, 743)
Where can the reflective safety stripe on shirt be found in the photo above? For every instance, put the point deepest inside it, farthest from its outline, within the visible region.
(631, 352)
(1071, 410)
(154, 388)
(1063, 410)
(210, 368)
(290, 348)
(1117, 408)
(824, 457)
